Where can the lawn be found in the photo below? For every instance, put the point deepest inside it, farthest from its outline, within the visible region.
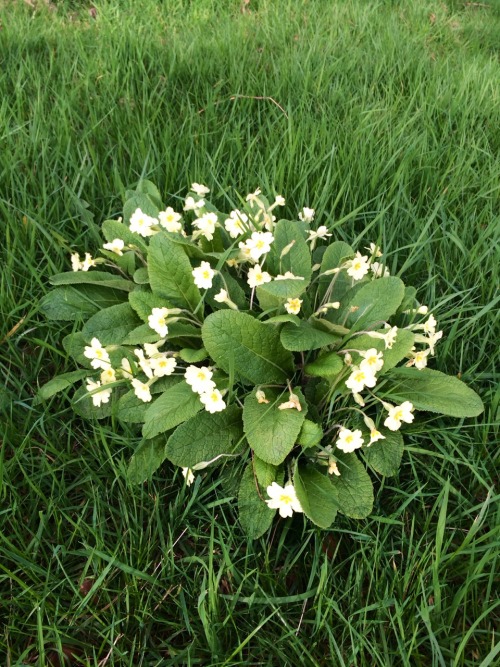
(384, 116)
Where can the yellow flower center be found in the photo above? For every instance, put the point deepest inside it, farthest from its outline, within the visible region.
(98, 354)
(201, 376)
(286, 499)
(359, 377)
(357, 266)
(161, 321)
(206, 274)
(214, 397)
(349, 439)
(398, 415)
(260, 244)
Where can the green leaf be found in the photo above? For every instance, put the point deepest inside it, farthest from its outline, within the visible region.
(83, 405)
(191, 356)
(173, 407)
(310, 434)
(170, 273)
(131, 409)
(141, 276)
(374, 302)
(280, 319)
(385, 456)
(101, 278)
(149, 188)
(255, 516)
(353, 490)
(59, 383)
(271, 432)
(305, 337)
(266, 473)
(327, 365)
(74, 345)
(74, 303)
(111, 325)
(298, 258)
(142, 201)
(401, 347)
(433, 391)
(141, 334)
(146, 459)
(234, 338)
(207, 438)
(315, 494)
(177, 331)
(143, 303)
(113, 229)
(282, 289)
(335, 254)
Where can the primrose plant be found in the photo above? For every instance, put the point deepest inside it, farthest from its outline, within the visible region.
(255, 343)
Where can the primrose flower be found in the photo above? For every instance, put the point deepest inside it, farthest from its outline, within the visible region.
(359, 379)
(259, 244)
(389, 337)
(203, 275)
(419, 359)
(141, 390)
(245, 255)
(422, 310)
(126, 368)
(374, 250)
(236, 224)
(206, 225)
(333, 468)
(292, 404)
(372, 360)
(307, 214)
(76, 265)
(283, 499)
(253, 195)
(320, 233)
(261, 397)
(108, 376)
(256, 276)
(429, 327)
(200, 189)
(88, 262)
(142, 224)
(145, 364)
(358, 267)
(99, 397)
(221, 297)
(151, 349)
(292, 306)
(348, 440)
(188, 476)
(158, 321)
(161, 365)
(279, 201)
(190, 204)
(398, 414)
(116, 246)
(379, 270)
(430, 340)
(358, 399)
(97, 353)
(170, 220)
(213, 401)
(374, 432)
(199, 379)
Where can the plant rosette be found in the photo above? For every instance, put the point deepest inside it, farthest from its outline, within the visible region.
(247, 340)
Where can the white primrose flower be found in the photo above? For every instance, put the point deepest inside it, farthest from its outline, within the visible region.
(221, 297)
(188, 476)
(126, 368)
(108, 376)
(97, 353)
(200, 189)
(358, 267)
(145, 364)
(398, 414)
(161, 365)
(253, 195)
(372, 360)
(374, 432)
(379, 270)
(419, 359)
(269, 221)
(283, 499)
(213, 401)
(190, 204)
(279, 201)
(348, 440)
(292, 306)
(429, 340)
(88, 262)
(256, 276)
(320, 233)
(151, 349)
(199, 379)
(245, 253)
(293, 403)
(203, 275)
(170, 220)
(116, 246)
(76, 265)
(206, 225)
(259, 244)
(429, 327)
(423, 310)
(359, 379)
(141, 390)
(236, 224)
(389, 337)
(289, 275)
(307, 214)
(374, 250)
(158, 321)
(142, 224)
(99, 397)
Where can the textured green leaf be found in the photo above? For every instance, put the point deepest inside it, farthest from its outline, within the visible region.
(374, 302)
(335, 254)
(83, 405)
(74, 345)
(353, 490)
(75, 303)
(143, 303)
(310, 434)
(255, 516)
(315, 494)
(207, 439)
(149, 188)
(191, 356)
(266, 473)
(101, 278)
(170, 273)
(141, 276)
(305, 337)
(385, 456)
(59, 383)
(111, 325)
(255, 350)
(401, 347)
(177, 331)
(131, 409)
(113, 229)
(327, 365)
(146, 459)
(281, 319)
(298, 258)
(271, 432)
(173, 407)
(282, 289)
(142, 201)
(433, 391)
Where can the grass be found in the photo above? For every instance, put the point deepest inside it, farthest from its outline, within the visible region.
(383, 116)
